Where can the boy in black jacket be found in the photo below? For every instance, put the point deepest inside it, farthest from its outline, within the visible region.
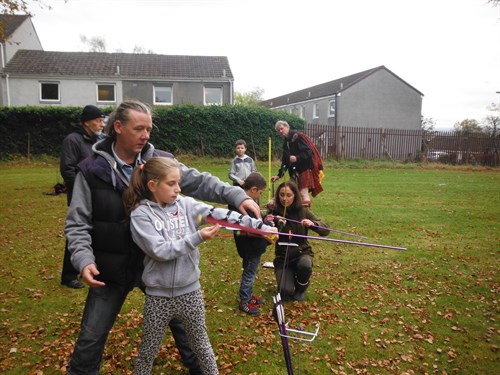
(250, 249)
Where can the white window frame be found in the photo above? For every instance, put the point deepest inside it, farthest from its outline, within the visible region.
(331, 108)
(58, 91)
(205, 92)
(105, 84)
(155, 87)
(315, 110)
(302, 113)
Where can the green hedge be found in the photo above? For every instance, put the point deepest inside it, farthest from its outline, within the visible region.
(198, 130)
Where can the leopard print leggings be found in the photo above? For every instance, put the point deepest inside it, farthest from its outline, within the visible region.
(158, 311)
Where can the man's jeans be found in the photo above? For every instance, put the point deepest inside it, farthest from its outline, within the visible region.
(250, 269)
(101, 309)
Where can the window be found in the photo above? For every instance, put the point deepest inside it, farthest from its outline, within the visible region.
(212, 95)
(106, 92)
(302, 113)
(49, 91)
(331, 108)
(163, 95)
(315, 110)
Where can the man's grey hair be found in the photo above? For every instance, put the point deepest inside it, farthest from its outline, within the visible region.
(281, 122)
(121, 113)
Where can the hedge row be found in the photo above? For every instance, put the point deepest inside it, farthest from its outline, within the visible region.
(198, 130)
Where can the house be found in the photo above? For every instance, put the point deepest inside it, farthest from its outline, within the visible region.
(18, 33)
(38, 78)
(79, 78)
(375, 98)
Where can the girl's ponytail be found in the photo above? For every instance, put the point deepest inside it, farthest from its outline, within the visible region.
(154, 169)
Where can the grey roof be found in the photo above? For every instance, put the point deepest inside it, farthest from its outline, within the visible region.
(325, 89)
(10, 23)
(124, 65)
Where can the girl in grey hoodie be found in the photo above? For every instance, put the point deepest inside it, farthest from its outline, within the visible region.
(165, 226)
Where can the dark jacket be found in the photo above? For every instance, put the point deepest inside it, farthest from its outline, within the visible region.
(118, 258)
(249, 245)
(296, 146)
(75, 147)
(293, 253)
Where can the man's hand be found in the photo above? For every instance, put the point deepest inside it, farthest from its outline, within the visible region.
(250, 205)
(274, 178)
(88, 274)
(293, 159)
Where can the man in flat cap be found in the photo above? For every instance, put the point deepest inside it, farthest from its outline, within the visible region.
(76, 147)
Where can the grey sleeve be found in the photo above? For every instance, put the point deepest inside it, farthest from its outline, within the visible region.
(79, 225)
(232, 173)
(209, 188)
(236, 217)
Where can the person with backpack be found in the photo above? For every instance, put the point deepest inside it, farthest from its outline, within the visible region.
(301, 160)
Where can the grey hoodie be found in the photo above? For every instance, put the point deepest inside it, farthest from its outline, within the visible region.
(169, 238)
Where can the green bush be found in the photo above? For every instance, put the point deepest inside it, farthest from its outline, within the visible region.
(199, 130)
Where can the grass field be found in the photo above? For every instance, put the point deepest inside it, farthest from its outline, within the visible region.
(432, 309)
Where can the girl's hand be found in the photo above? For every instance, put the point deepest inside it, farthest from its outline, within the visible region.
(307, 223)
(269, 218)
(280, 220)
(208, 233)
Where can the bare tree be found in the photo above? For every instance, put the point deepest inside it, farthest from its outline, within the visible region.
(491, 123)
(20, 6)
(427, 124)
(491, 126)
(94, 43)
(468, 127)
(142, 49)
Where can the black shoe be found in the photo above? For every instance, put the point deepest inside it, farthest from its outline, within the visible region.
(299, 296)
(74, 284)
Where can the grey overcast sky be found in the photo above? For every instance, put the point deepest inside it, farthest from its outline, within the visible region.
(447, 49)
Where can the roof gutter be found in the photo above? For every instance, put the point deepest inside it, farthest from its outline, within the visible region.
(3, 58)
(2, 46)
(8, 90)
(231, 91)
(334, 95)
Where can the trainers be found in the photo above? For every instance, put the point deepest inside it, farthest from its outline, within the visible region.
(249, 308)
(255, 301)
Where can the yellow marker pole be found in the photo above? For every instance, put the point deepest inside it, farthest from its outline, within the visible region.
(269, 170)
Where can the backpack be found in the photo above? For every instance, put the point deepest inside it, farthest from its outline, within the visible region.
(57, 189)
